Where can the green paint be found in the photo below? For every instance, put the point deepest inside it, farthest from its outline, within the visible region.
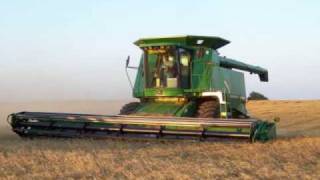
(188, 110)
(154, 108)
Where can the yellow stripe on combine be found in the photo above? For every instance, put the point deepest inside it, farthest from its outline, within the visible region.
(178, 100)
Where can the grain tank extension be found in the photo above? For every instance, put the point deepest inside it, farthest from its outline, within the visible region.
(185, 89)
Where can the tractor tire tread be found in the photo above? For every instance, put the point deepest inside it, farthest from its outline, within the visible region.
(208, 109)
(129, 108)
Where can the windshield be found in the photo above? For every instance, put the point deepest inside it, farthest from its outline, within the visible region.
(167, 67)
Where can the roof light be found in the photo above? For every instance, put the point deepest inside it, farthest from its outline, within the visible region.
(200, 41)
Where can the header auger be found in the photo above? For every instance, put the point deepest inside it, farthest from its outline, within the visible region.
(185, 89)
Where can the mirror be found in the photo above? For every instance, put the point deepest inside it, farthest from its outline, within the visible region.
(128, 61)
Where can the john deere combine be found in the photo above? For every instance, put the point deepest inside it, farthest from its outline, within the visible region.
(185, 89)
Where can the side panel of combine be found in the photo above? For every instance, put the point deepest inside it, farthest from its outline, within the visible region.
(238, 92)
(231, 83)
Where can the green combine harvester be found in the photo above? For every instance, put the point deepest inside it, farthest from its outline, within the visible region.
(185, 89)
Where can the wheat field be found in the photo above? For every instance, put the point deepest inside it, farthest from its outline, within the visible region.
(294, 155)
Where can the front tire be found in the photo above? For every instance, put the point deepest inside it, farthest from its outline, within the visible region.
(129, 108)
(209, 109)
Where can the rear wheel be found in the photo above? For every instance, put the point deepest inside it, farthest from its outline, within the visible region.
(209, 109)
(129, 108)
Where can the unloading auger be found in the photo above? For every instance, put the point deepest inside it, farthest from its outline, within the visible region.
(185, 89)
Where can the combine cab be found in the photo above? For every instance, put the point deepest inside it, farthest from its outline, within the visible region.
(185, 89)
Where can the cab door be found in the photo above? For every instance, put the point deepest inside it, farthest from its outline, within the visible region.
(201, 70)
(185, 68)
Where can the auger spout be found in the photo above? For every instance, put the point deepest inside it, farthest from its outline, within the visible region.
(234, 64)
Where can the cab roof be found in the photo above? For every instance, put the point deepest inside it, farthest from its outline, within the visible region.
(186, 40)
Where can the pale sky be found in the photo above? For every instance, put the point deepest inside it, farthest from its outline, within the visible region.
(76, 49)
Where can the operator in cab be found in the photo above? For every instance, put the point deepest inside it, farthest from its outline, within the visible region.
(170, 71)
